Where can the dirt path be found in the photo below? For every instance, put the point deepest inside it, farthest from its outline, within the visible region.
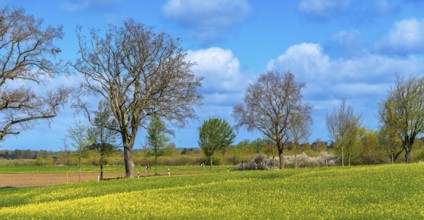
(46, 179)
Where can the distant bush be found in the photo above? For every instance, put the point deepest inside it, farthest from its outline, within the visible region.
(261, 162)
(18, 162)
(303, 160)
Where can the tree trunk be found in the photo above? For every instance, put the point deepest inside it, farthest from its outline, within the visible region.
(79, 171)
(393, 157)
(407, 155)
(79, 164)
(101, 170)
(211, 162)
(102, 157)
(156, 163)
(280, 155)
(348, 160)
(129, 163)
(342, 156)
(295, 156)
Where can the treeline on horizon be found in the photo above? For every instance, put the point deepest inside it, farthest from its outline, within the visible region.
(367, 152)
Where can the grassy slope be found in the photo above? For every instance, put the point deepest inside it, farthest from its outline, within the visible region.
(377, 192)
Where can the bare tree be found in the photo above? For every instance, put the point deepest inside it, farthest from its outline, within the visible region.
(271, 105)
(79, 139)
(403, 111)
(139, 73)
(26, 51)
(343, 127)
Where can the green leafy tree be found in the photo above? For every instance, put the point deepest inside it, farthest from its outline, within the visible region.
(102, 137)
(214, 135)
(370, 150)
(156, 138)
(403, 112)
(388, 135)
(258, 144)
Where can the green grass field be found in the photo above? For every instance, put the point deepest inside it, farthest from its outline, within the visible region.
(369, 192)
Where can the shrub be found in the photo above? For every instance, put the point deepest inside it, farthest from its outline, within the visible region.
(303, 160)
(259, 162)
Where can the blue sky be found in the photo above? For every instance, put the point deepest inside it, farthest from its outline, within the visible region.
(341, 49)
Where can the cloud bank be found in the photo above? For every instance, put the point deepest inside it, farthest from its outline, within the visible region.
(405, 37)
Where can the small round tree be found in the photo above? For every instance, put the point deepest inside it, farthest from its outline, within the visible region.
(156, 138)
(214, 135)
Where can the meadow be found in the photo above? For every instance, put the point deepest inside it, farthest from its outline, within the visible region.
(364, 192)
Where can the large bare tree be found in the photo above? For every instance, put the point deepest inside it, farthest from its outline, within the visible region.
(140, 73)
(273, 105)
(343, 125)
(26, 53)
(403, 111)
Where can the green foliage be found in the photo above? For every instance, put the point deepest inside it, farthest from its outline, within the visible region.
(370, 149)
(215, 134)
(156, 138)
(372, 192)
(171, 150)
(101, 134)
(402, 113)
(39, 161)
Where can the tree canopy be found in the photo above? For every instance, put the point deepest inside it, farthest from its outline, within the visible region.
(215, 134)
(140, 73)
(273, 105)
(27, 51)
(403, 112)
(156, 138)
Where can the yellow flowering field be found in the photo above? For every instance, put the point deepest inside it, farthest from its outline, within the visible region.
(368, 192)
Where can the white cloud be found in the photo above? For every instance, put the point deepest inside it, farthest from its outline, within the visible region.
(310, 64)
(405, 37)
(305, 60)
(323, 8)
(363, 81)
(206, 19)
(220, 69)
(224, 83)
